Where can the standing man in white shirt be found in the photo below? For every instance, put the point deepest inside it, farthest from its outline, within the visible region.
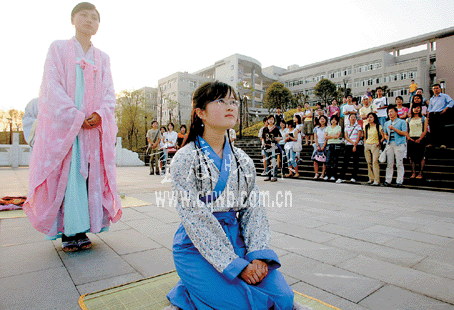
(381, 102)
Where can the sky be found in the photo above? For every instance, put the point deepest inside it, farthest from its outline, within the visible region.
(149, 40)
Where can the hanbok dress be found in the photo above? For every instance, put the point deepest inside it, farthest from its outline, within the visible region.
(224, 228)
(72, 186)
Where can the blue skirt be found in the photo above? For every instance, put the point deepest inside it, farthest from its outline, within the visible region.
(203, 287)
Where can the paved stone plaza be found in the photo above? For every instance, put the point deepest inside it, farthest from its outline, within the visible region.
(355, 247)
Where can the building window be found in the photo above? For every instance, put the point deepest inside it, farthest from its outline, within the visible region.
(232, 67)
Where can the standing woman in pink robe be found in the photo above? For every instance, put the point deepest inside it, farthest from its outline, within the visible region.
(72, 188)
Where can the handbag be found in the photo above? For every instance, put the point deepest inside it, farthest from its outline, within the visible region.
(320, 157)
(382, 157)
(297, 147)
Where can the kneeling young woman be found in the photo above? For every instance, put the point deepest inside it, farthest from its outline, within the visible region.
(221, 249)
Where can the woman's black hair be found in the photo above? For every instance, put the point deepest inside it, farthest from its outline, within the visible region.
(270, 116)
(173, 126)
(350, 116)
(334, 117)
(298, 119)
(291, 123)
(415, 105)
(203, 95)
(84, 6)
(392, 107)
(377, 125)
(400, 97)
(183, 126)
(318, 120)
(419, 96)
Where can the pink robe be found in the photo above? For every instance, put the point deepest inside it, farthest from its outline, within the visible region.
(59, 122)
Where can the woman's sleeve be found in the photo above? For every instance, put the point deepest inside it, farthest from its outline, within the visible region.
(255, 227)
(200, 224)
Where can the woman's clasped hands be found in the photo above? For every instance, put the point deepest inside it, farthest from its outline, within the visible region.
(92, 122)
(255, 272)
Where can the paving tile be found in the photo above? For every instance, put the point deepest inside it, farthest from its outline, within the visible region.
(351, 286)
(326, 297)
(18, 231)
(297, 266)
(130, 214)
(412, 235)
(164, 238)
(442, 253)
(407, 278)
(303, 232)
(45, 289)
(24, 258)
(152, 262)
(150, 226)
(436, 267)
(378, 251)
(356, 233)
(323, 253)
(307, 222)
(279, 252)
(392, 297)
(108, 283)
(128, 241)
(98, 263)
(165, 216)
(290, 280)
(401, 225)
(118, 226)
(442, 230)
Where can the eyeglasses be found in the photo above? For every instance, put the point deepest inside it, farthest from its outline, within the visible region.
(231, 102)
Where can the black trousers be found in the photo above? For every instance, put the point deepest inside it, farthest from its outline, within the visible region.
(349, 155)
(437, 123)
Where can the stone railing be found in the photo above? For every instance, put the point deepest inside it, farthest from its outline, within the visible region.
(15, 155)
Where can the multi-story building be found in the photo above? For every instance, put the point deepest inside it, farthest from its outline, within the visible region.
(174, 100)
(427, 59)
(393, 65)
(151, 102)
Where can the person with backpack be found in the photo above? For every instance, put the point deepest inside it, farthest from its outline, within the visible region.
(396, 134)
(417, 131)
(153, 138)
(374, 137)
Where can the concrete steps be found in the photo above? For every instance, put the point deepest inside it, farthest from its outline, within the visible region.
(438, 171)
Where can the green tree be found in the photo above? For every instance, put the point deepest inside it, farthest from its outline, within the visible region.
(277, 95)
(131, 116)
(325, 90)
